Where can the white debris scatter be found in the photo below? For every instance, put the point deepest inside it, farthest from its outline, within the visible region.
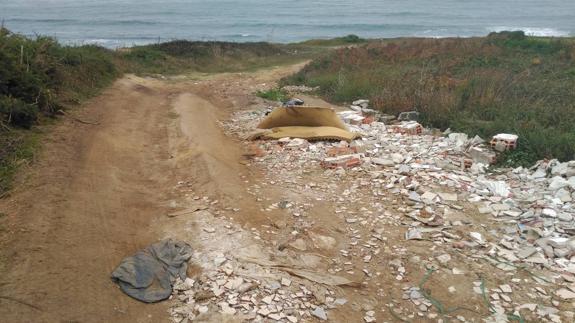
(414, 203)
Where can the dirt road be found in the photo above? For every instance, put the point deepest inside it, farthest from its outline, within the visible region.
(98, 193)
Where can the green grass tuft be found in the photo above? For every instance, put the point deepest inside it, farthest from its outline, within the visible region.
(275, 94)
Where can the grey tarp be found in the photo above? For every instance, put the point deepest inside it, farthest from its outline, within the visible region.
(149, 274)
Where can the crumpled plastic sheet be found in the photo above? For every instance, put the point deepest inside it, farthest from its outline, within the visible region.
(148, 276)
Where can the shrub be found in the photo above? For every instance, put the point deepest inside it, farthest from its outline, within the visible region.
(16, 112)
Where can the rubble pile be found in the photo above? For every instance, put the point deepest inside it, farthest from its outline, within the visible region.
(404, 199)
(251, 292)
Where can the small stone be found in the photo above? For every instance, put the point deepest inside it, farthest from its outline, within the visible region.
(268, 299)
(529, 306)
(565, 294)
(291, 318)
(275, 316)
(264, 311)
(526, 252)
(340, 301)
(210, 230)
(506, 288)
(429, 197)
(444, 259)
(451, 197)
(319, 312)
(299, 244)
(457, 271)
(226, 309)
(477, 237)
(285, 282)
(550, 213)
(414, 196)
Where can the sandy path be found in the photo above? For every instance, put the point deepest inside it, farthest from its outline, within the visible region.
(99, 193)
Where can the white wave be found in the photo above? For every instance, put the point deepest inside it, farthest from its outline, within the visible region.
(532, 31)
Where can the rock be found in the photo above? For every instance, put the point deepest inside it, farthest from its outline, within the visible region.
(319, 312)
(403, 169)
(322, 242)
(268, 299)
(413, 234)
(497, 188)
(414, 196)
(444, 259)
(482, 156)
(565, 294)
(565, 217)
(549, 213)
(285, 282)
(539, 173)
(457, 271)
(246, 287)
(291, 319)
(561, 252)
(563, 195)
(408, 116)
(529, 306)
(297, 142)
(299, 244)
(397, 158)
(382, 162)
(558, 182)
(428, 197)
(226, 309)
(526, 252)
(506, 289)
(362, 102)
(450, 197)
(477, 237)
(500, 207)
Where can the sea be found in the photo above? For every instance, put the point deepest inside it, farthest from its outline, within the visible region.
(121, 23)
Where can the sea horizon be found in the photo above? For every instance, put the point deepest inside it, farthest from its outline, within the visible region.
(124, 23)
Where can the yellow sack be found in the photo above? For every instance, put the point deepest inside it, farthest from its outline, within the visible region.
(302, 117)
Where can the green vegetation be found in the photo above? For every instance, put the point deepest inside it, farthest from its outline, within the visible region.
(16, 147)
(505, 82)
(37, 78)
(275, 94)
(176, 57)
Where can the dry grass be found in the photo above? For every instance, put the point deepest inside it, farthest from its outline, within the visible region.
(502, 83)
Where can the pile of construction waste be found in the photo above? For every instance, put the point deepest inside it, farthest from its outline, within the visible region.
(406, 199)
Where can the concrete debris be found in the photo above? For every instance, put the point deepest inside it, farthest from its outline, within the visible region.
(394, 203)
(320, 313)
(408, 116)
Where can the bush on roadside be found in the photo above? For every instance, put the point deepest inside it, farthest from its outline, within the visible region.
(38, 76)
